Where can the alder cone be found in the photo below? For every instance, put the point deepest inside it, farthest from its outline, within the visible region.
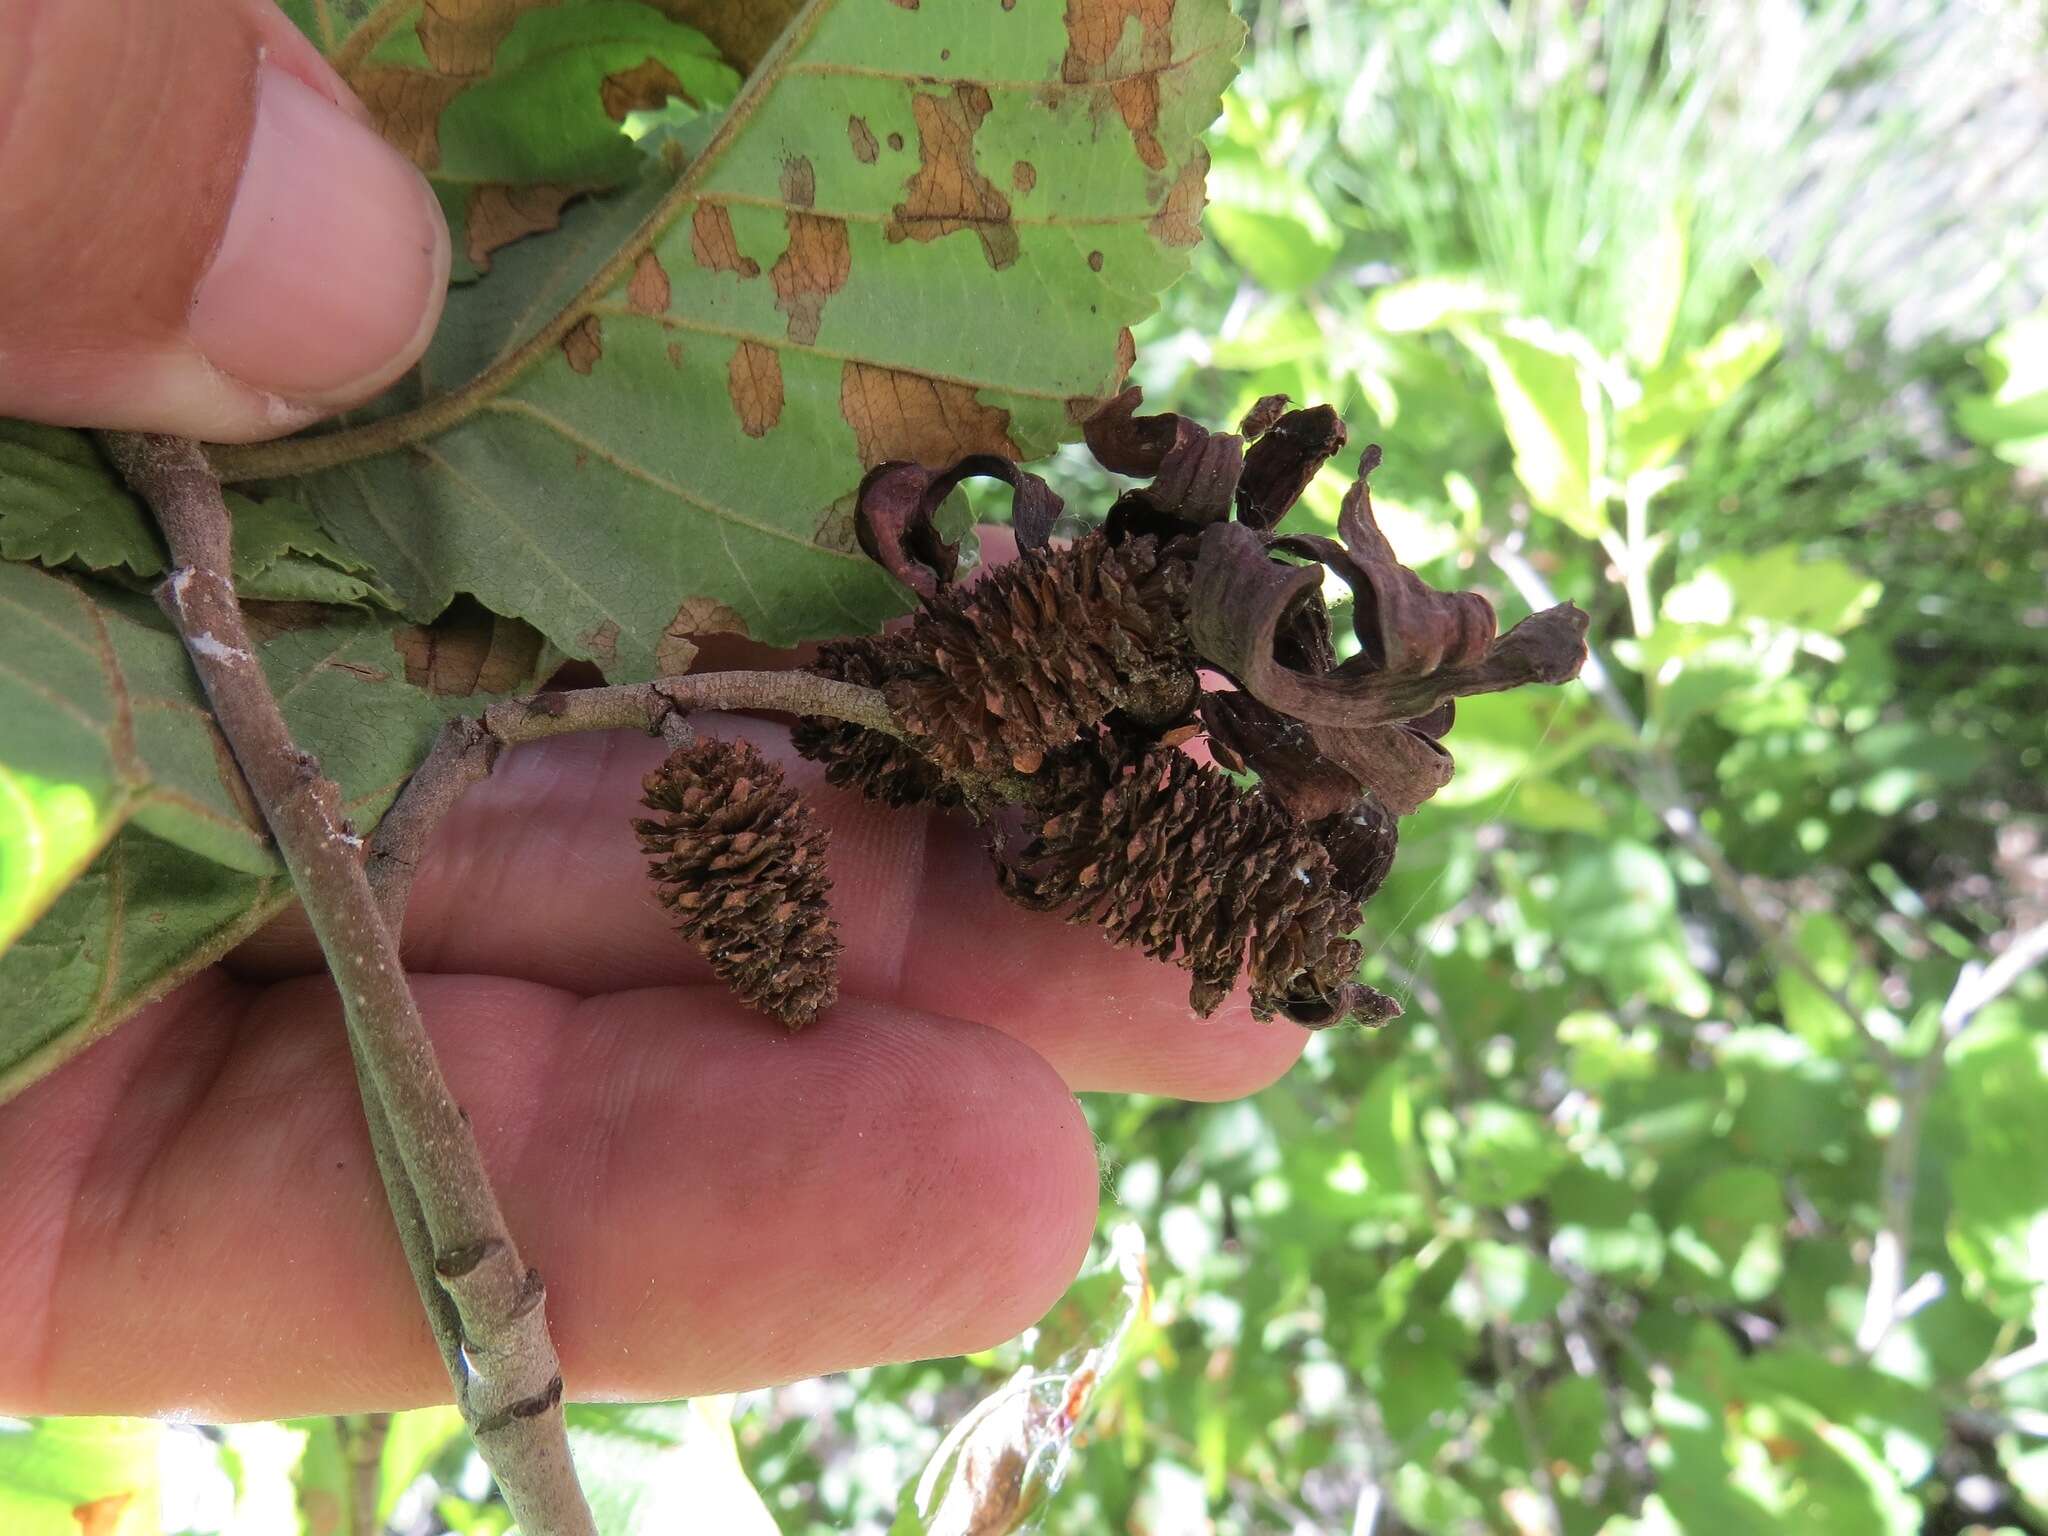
(877, 764)
(1044, 647)
(1171, 857)
(740, 862)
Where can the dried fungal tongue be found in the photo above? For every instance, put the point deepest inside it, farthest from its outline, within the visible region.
(1073, 682)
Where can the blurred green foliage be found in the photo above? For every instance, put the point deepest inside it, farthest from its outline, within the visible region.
(1671, 1206)
(1691, 1198)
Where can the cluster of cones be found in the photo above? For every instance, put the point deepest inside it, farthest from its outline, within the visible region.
(1062, 688)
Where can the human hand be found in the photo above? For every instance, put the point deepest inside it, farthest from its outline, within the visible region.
(192, 1215)
(200, 233)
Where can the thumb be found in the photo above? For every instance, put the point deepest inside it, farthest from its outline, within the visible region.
(203, 234)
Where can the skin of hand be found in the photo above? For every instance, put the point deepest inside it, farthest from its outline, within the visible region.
(191, 1219)
(190, 1216)
(200, 232)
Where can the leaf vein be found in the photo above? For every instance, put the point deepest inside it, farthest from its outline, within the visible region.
(916, 77)
(674, 322)
(647, 476)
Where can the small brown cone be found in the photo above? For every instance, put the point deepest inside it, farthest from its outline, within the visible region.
(877, 764)
(1038, 650)
(740, 861)
(1171, 857)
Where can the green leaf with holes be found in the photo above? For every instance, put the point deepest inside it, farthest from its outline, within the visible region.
(918, 233)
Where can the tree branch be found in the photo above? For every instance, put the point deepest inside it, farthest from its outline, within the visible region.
(1515, 1385)
(508, 1381)
(362, 1442)
(469, 747)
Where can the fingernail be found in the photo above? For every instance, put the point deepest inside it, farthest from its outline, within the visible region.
(330, 275)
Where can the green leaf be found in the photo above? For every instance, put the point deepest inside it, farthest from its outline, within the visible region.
(282, 555)
(1551, 405)
(1271, 224)
(413, 1441)
(1511, 1283)
(1612, 895)
(1997, 1088)
(2012, 420)
(107, 727)
(1680, 397)
(1604, 1227)
(1779, 587)
(549, 122)
(78, 1477)
(631, 427)
(61, 504)
(1659, 286)
(665, 1467)
(1431, 303)
(512, 110)
(1731, 1231)
(113, 742)
(142, 918)
(1504, 1154)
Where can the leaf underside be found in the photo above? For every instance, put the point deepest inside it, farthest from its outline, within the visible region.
(125, 826)
(919, 233)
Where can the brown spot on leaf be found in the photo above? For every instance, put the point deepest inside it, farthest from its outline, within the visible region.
(1095, 261)
(753, 378)
(469, 650)
(102, 1517)
(643, 88)
(799, 181)
(862, 138)
(675, 354)
(584, 344)
(895, 141)
(1095, 32)
(1081, 407)
(947, 191)
(712, 245)
(602, 641)
(1137, 100)
(647, 289)
(743, 33)
(500, 214)
(898, 415)
(461, 37)
(908, 5)
(697, 617)
(1023, 175)
(837, 529)
(706, 616)
(1179, 221)
(673, 655)
(406, 106)
(812, 267)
